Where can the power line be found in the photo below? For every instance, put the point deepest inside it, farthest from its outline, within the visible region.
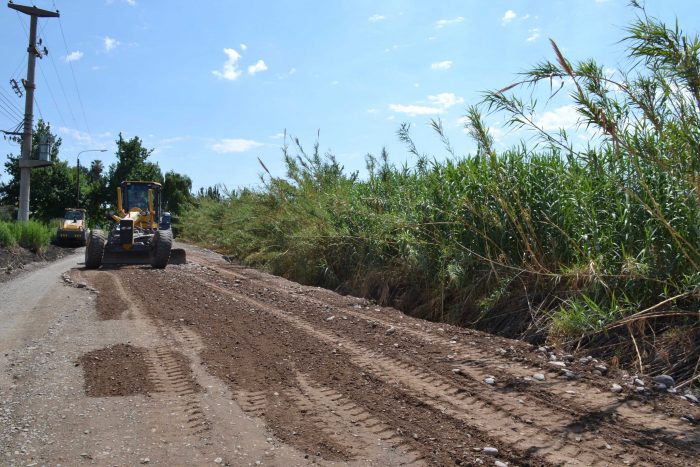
(13, 118)
(41, 116)
(4, 96)
(63, 90)
(75, 81)
(53, 98)
(11, 111)
(19, 18)
(18, 68)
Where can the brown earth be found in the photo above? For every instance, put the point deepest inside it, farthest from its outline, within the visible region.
(331, 375)
(119, 370)
(15, 259)
(228, 365)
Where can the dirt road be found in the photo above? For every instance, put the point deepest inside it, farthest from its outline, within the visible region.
(210, 363)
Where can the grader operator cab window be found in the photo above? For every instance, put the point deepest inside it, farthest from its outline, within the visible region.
(136, 196)
(74, 215)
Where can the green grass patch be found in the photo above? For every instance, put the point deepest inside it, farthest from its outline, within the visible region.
(32, 235)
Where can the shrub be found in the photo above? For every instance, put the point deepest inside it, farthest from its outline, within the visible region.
(33, 235)
(7, 239)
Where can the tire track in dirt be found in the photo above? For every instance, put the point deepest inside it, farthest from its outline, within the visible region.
(257, 354)
(111, 303)
(546, 436)
(473, 361)
(342, 419)
(176, 388)
(168, 371)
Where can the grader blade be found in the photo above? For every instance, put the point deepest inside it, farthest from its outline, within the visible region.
(177, 256)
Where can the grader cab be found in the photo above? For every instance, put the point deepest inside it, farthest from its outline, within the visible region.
(141, 232)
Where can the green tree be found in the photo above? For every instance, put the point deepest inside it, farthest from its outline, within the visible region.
(132, 164)
(95, 172)
(52, 187)
(176, 192)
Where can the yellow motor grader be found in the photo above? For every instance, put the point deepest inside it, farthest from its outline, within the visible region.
(141, 232)
(73, 229)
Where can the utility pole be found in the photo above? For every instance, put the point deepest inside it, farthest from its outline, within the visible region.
(25, 164)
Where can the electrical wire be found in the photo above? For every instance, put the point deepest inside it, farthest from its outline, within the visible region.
(16, 75)
(63, 90)
(75, 81)
(12, 118)
(41, 116)
(53, 97)
(19, 18)
(4, 97)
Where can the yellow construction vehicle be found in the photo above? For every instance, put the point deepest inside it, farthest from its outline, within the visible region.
(73, 229)
(141, 233)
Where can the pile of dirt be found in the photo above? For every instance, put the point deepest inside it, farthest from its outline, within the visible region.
(120, 370)
(15, 259)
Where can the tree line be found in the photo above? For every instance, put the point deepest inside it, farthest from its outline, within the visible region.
(55, 187)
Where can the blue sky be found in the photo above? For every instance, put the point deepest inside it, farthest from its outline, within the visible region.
(212, 85)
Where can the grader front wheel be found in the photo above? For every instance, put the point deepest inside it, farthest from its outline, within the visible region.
(95, 249)
(160, 248)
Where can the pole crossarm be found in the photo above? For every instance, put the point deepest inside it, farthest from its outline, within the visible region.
(34, 11)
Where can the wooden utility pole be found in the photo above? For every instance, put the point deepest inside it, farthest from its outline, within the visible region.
(25, 164)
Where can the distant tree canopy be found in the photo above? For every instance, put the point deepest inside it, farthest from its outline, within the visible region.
(54, 188)
(176, 191)
(132, 164)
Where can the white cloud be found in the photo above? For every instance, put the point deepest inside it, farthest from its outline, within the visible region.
(534, 34)
(415, 109)
(110, 43)
(74, 56)
(443, 65)
(131, 2)
(83, 139)
(277, 136)
(562, 117)
(244, 47)
(508, 16)
(226, 146)
(372, 111)
(77, 135)
(375, 18)
(446, 22)
(258, 67)
(229, 70)
(496, 133)
(174, 139)
(446, 99)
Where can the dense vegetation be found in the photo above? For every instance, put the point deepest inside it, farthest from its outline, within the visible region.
(55, 188)
(32, 235)
(596, 245)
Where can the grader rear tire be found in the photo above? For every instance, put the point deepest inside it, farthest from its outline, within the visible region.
(95, 249)
(160, 248)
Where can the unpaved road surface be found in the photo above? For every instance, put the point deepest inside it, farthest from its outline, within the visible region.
(211, 363)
